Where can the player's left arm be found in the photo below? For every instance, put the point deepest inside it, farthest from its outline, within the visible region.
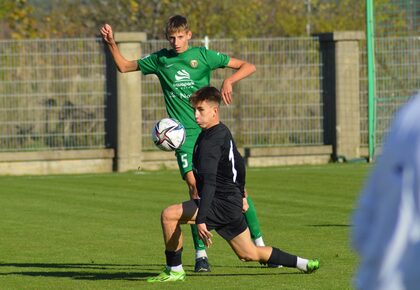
(209, 157)
(207, 194)
(243, 69)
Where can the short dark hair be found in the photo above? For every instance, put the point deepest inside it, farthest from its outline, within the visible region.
(210, 94)
(176, 23)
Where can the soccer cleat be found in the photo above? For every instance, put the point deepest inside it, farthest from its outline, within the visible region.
(274, 266)
(312, 266)
(202, 265)
(269, 265)
(168, 276)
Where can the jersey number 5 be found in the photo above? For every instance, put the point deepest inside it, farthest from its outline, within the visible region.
(184, 160)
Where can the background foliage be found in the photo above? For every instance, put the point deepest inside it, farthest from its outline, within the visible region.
(216, 18)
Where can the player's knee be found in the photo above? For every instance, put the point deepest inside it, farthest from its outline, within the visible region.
(166, 215)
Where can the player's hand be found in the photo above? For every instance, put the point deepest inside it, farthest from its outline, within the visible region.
(204, 234)
(107, 34)
(227, 92)
(194, 196)
(193, 193)
(245, 205)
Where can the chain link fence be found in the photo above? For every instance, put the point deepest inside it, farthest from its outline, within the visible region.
(279, 105)
(52, 94)
(397, 59)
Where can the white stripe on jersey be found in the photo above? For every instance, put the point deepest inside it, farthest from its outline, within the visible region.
(232, 158)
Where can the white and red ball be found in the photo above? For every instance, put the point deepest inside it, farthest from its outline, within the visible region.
(168, 134)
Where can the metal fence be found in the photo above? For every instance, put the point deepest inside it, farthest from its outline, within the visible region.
(397, 18)
(397, 77)
(279, 105)
(397, 59)
(363, 93)
(52, 94)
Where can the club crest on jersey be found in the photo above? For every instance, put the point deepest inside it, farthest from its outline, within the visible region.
(193, 63)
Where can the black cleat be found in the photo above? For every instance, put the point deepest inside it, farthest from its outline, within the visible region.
(202, 265)
(269, 265)
(274, 266)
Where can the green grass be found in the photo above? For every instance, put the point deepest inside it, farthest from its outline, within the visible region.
(103, 231)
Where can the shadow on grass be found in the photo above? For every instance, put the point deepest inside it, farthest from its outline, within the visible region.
(329, 225)
(90, 271)
(83, 271)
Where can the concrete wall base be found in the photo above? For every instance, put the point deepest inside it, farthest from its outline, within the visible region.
(57, 162)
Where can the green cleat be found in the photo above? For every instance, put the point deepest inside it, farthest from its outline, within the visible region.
(168, 276)
(312, 266)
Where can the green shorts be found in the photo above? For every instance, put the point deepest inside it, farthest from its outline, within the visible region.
(184, 154)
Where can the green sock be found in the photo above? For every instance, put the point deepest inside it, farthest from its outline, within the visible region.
(198, 243)
(252, 220)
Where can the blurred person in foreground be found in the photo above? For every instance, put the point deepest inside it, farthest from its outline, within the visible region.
(386, 231)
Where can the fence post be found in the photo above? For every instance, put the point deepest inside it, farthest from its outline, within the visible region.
(128, 118)
(341, 92)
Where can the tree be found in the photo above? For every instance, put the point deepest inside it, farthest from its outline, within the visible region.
(17, 20)
(215, 18)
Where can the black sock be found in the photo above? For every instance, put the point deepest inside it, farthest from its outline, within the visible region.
(173, 258)
(278, 257)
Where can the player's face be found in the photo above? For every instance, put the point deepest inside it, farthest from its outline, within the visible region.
(206, 114)
(179, 40)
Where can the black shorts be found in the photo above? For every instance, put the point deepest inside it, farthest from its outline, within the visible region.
(226, 217)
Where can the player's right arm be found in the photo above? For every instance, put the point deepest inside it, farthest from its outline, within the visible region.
(243, 69)
(122, 63)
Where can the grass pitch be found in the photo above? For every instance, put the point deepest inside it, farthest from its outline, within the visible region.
(103, 231)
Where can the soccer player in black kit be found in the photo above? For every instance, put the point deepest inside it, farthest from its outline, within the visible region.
(219, 170)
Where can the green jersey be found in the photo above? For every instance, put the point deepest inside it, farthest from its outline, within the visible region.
(182, 74)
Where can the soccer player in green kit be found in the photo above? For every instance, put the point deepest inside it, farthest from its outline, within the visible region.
(183, 70)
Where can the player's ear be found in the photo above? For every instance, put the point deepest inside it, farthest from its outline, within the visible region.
(189, 34)
(216, 110)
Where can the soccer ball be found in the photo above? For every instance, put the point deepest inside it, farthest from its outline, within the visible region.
(168, 134)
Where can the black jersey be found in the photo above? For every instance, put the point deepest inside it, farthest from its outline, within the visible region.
(219, 169)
